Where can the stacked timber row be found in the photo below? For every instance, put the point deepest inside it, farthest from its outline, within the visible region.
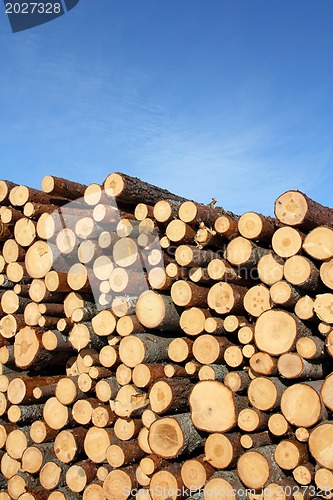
(154, 347)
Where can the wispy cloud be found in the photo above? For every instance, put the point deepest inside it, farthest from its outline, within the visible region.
(83, 122)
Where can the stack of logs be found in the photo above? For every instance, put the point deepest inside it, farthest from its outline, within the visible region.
(160, 348)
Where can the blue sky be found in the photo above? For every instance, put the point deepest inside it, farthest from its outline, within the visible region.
(208, 98)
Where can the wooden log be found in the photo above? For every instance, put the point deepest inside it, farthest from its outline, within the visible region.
(290, 453)
(122, 305)
(200, 275)
(166, 210)
(180, 349)
(221, 270)
(257, 227)
(42, 394)
(170, 396)
(179, 232)
(255, 440)
(9, 467)
(262, 363)
(130, 401)
(187, 294)
(214, 407)
(270, 268)
(232, 323)
(23, 415)
(34, 210)
(284, 294)
(108, 356)
(127, 325)
(292, 365)
(125, 453)
(143, 348)
(53, 340)
(213, 372)
(318, 244)
(192, 321)
(276, 332)
(94, 490)
(304, 308)
(226, 483)
(303, 474)
(124, 374)
(322, 307)
(126, 429)
(323, 479)
(227, 225)
(19, 484)
(154, 310)
(82, 336)
(222, 450)
(94, 194)
(12, 251)
(107, 389)
(96, 443)
(5, 188)
(192, 256)
(326, 392)
(145, 374)
(257, 300)
(287, 241)
(171, 437)
(12, 303)
(309, 409)
(39, 259)
(294, 208)
(225, 298)
(34, 457)
(25, 232)
(41, 432)
(5, 232)
(133, 191)
(311, 348)
(319, 447)
(53, 474)
(29, 353)
(196, 472)
(64, 188)
(300, 271)
(68, 391)
(243, 252)
(57, 415)
(237, 381)
(82, 410)
(20, 195)
(208, 349)
(215, 326)
(195, 213)
(265, 393)
(142, 211)
(207, 237)
(102, 416)
(124, 479)
(17, 442)
(258, 468)
(80, 475)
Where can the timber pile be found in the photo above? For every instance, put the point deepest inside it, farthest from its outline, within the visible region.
(164, 346)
